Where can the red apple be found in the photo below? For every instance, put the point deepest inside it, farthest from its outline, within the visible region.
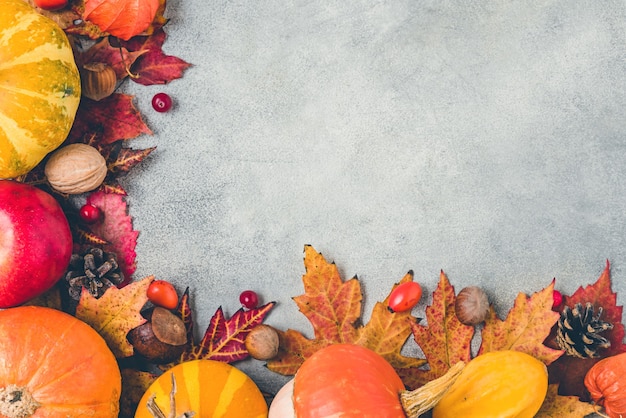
(35, 242)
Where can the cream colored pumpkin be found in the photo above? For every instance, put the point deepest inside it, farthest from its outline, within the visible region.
(39, 87)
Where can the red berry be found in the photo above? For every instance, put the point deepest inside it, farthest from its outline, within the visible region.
(249, 299)
(404, 297)
(557, 299)
(90, 213)
(162, 293)
(51, 5)
(161, 102)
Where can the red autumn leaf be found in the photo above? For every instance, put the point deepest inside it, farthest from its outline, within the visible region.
(112, 188)
(333, 307)
(444, 339)
(119, 58)
(117, 229)
(155, 67)
(224, 338)
(114, 118)
(570, 371)
(525, 328)
(121, 18)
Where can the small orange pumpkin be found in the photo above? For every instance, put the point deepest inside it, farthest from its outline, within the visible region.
(606, 383)
(55, 366)
(209, 389)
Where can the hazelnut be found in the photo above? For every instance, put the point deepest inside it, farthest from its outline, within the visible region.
(471, 305)
(75, 169)
(262, 342)
(161, 339)
(98, 80)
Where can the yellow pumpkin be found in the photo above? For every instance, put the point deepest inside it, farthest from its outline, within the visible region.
(39, 87)
(209, 389)
(499, 384)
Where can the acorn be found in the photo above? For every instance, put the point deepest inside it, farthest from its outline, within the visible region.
(471, 305)
(161, 339)
(98, 80)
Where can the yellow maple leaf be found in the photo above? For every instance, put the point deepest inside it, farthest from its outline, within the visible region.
(525, 328)
(115, 313)
(557, 406)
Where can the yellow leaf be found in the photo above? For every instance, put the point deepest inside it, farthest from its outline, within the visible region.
(115, 313)
(557, 406)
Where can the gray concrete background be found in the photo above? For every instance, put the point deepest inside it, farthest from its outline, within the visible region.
(483, 138)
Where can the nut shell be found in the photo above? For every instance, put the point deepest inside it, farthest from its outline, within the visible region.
(471, 305)
(98, 80)
(161, 339)
(262, 342)
(76, 169)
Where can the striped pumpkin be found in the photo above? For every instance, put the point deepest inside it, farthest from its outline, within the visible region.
(39, 87)
(207, 387)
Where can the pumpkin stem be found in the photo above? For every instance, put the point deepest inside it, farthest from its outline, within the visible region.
(423, 399)
(156, 412)
(17, 402)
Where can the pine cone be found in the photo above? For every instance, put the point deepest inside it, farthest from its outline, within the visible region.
(578, 331)
(94, 270)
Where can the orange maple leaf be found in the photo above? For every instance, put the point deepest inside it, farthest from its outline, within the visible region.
(115, 313)
(527, 325)
(334, 308)
(557, 406)
(444, 340)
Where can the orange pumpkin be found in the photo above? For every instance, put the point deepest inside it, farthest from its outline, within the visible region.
(606, 383)
(53, 365)
(209, 389)
(347, 380)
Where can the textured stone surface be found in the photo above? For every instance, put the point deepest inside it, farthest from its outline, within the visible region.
(487, 139)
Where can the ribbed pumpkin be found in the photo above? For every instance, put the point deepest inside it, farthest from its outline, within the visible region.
(209, 389)
(55, 366)
(39, 87)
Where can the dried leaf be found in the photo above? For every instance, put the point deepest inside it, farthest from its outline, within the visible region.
(556, 406)
(119, 58)
(387, 332)
(525, 328)
(126, 159)
(114, 118)
(117, 229)
(444, 339)
(154, 66)
(224, 338)
(570, 371)
(115, 313)
(134, 384)
(333, 307)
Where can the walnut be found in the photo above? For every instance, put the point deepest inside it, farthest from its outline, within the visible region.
(76, 169)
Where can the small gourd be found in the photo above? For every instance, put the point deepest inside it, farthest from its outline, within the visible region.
(76, 169)
(206, 388)
(498, 384)
(39, 87)
(606, 383)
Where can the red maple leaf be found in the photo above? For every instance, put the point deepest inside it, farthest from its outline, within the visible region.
(119, 58)
(154, 66)
(224, 338)
(570, 371)
(113, 118)
(117, 229)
